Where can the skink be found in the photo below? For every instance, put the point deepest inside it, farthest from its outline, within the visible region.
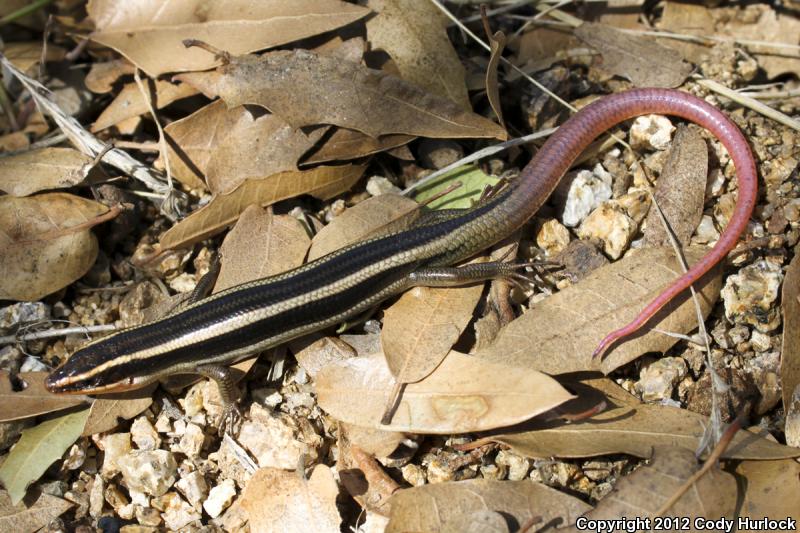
(205, 337)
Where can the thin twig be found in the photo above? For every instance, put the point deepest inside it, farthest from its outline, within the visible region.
(751, 103)
(162, 140)
(23, 11)
(480, 154)
(91, 145)
(50, 333)
(716, 453)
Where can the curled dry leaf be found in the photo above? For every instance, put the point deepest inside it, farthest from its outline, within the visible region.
(497, 43)
(130, 102)
(413, 33)
(151, 34)
(33, 400)
(363, 219)
(307, 89)
(790, 353)
(643, 492)
(255, 148)
(433, 508)
(102, 76)
(772, 489)
(38, 170)
(191, 140)
(633, 429)
(47, 243)
(463, 394)
(260, 245)
(27, 54)
(638, 58)
(33, 516)
(341, 144)
(224, 209)
(278, 501)
(420, 328)
(109, 410)
(559, 334)
(37, 449)
(681, 189)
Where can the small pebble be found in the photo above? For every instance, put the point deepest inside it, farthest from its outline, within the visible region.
(194, 488)
(658, 379)
(438, 153)
(413, 474)
(115, 446)
(586, 192)
(149, 472)
(144, 435)
(651, 132)
(219, 498)
(378, 185)
(274, 439)
(552, 237)
(518, 466)
(177, 513)
(750, 295)
(613, 227)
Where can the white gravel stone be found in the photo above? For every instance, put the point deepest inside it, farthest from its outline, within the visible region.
(272, 439)
(413, 474)
(144, 435)
(586, 192)
(518, 466)
(183, 283)
(378, 185)
(761, 342)
(177, 513)
(749, 295)
(219, 498)
(192, 440)
(149, 472)
(706, 232)
(23, 313)
(613, 227)
(115, 446)
(552, 237)
(659, 378)
(194, 488)
(96, 499)
(651, 132)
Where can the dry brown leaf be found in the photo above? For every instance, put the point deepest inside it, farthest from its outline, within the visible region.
(376, 442)
(497, 43)
(151, 33)
(360, 221)
(47, 243)
(12, 142)
(362, 476)
(28, 516)
(27, 54)
(681, 189)
(46, 168)
(191, 140)
(33, 400)
(277, 501)
(103, 75)
(414, 34)
(638, 58)
(316, 355)
(643, 492)
(421, 327)
(790, 353)
(109, 410)
(772, 489)
(342, 144)
(260, 245)
(559, 334)
(463, 394)
(756, 22)
(633, 429)
(432, 508)
(223, 210)
(130, 101)
(307, 89)
(255, 148)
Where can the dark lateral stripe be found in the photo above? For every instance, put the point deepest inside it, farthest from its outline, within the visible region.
(317, 311)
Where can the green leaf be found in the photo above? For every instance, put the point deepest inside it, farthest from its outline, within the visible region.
(473, 182)
(37, 449)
